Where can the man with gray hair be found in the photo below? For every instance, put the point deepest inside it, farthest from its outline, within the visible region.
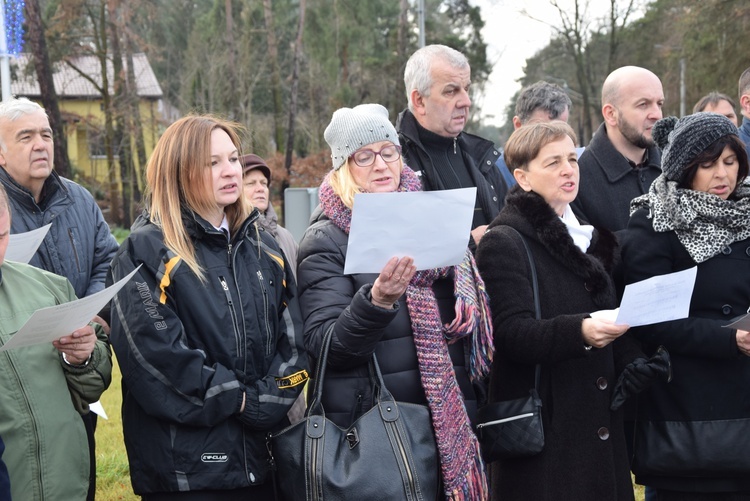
(744, 96)
(437, 80)
(79, 245)
(539, 102)
(621, 161)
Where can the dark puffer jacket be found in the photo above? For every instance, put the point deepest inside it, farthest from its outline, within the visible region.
(189, 350)
(328, 297)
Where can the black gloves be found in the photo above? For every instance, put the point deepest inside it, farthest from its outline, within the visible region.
(640, 374)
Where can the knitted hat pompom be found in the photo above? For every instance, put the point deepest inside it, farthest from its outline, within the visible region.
(661, 131)
(690, 136)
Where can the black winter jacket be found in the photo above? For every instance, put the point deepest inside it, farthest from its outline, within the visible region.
(188, 350)
(584, 456)
(694, 433)
(608, 183)
(479, 152)
(328, 297)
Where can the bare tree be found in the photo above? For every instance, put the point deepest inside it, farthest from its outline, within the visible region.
(49, 97)
(293, 96)
(577, 29)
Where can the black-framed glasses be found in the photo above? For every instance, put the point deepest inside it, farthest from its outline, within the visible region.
(366, 157)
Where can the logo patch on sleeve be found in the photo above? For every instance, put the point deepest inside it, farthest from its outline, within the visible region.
(292, 380)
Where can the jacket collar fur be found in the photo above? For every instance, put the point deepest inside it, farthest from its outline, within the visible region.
(530, 214)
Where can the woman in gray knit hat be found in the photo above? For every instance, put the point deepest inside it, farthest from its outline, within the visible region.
(692, 437)
(423, 325)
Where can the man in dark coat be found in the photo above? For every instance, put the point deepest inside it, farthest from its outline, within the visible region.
(437, 80)
(79, 245)
(622, 160)
(744, 96)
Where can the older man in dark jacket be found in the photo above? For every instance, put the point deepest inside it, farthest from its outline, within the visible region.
(437, 80)
(79, 245)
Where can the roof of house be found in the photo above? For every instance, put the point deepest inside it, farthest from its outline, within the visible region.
(69, 83)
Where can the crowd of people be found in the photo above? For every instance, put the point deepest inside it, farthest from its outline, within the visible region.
(225, 314)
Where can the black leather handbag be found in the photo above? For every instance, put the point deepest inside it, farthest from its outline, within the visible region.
(388, 453)
(513, 428)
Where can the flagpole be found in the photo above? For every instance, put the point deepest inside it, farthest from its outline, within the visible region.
(4, 56)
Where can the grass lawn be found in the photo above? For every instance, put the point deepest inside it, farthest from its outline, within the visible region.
(112, 473)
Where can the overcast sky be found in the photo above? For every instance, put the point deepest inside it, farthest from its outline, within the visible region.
(513, 37)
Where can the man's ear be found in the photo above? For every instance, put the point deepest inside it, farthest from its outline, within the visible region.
(521, 177)
(609, 113)
(516, 123)
(417, 102)
(745, 104)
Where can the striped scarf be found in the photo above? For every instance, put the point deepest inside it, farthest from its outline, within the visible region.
(461, 462)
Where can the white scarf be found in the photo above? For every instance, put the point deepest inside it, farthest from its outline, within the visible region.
(580, 233)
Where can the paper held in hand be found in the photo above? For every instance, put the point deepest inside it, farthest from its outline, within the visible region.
(432, 227)
(657, 299)
(23, 246)
(47, 324)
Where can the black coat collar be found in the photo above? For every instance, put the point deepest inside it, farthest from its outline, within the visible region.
(528, 213)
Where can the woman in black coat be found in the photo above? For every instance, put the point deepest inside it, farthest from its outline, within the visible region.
(584, 455)
(375, 313)
(692, 437)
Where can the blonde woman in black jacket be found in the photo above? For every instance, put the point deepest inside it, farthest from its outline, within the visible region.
(208, 332)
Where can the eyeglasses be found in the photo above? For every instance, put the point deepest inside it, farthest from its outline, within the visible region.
(366, 157)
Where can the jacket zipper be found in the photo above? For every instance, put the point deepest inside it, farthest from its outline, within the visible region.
(230, 303)
(73, 246)
(269, 338)
(35, 431)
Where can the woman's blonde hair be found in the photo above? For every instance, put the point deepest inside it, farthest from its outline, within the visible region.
(178, 175)
(343, 184)
(524, 144)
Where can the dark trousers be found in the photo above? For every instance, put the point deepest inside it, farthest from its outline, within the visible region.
(663, 495)
(262, 492)
(89, 422)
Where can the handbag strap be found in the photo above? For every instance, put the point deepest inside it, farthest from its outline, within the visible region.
(376, 378)
(535, 288)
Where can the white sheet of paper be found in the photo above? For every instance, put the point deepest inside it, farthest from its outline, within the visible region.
(98, 409)
(432, 227)
(23, 246)
(47, 324)
(657, 299)
(742, 323)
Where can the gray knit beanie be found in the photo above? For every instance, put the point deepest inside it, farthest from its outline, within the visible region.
(352, 128)
(684, 139)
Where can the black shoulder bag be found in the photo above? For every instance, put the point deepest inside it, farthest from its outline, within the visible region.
(513, 428)
(388, 453)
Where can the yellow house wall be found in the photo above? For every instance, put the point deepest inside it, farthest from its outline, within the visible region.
(92, 116)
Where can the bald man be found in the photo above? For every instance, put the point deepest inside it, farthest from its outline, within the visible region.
(622, 160)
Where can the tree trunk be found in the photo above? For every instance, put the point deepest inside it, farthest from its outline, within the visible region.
(273, 55)
(120, 140)
(49, 98)
(102, 49)
(293, 99)
(136, 126)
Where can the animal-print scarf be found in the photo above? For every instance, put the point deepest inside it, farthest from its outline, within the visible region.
(704, 223)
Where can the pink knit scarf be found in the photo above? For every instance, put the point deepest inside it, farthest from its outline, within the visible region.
(460, 459)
